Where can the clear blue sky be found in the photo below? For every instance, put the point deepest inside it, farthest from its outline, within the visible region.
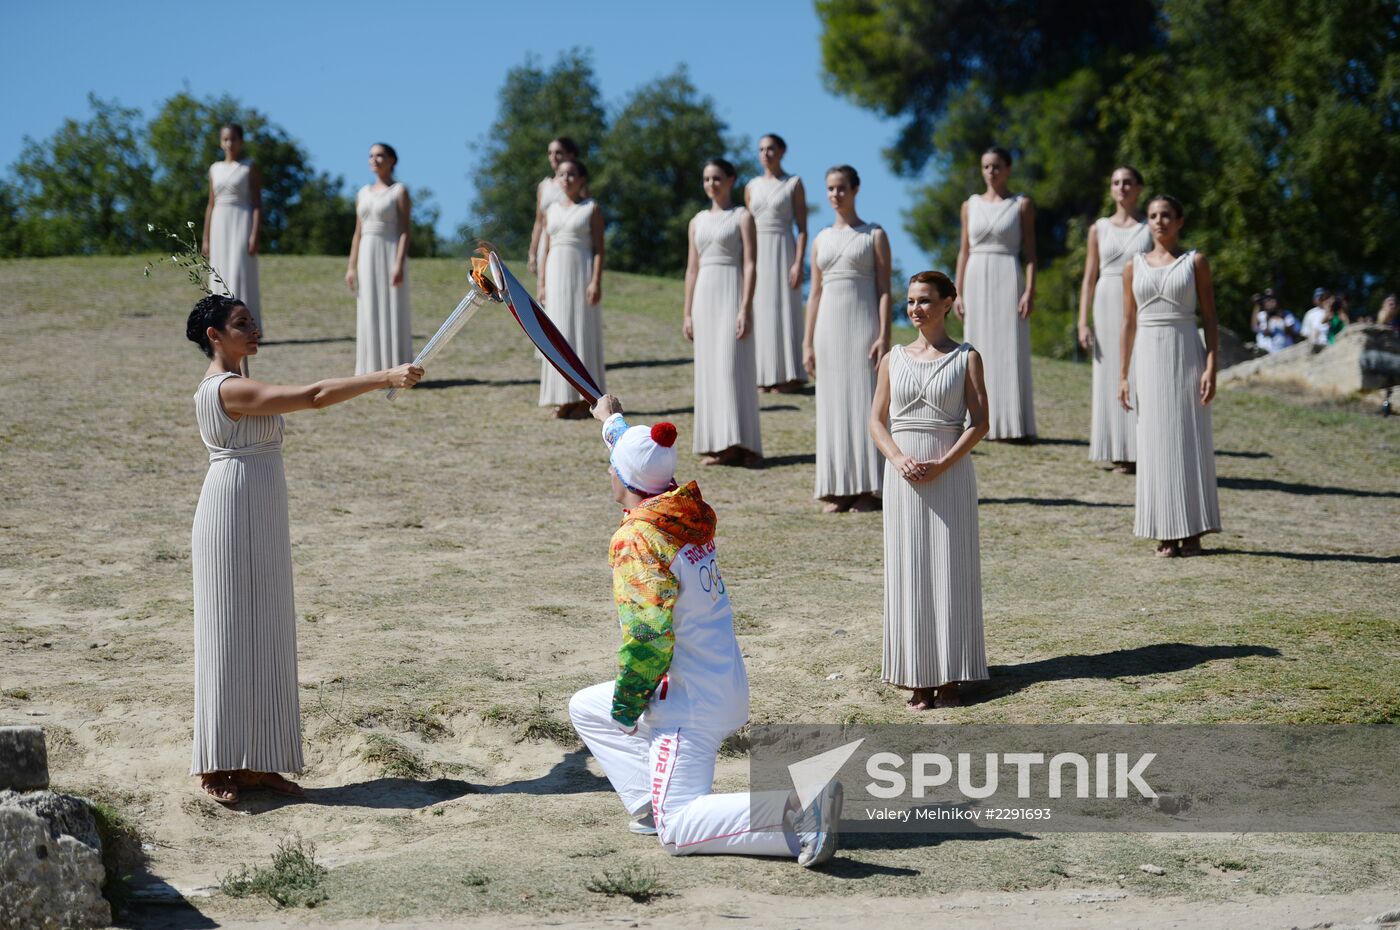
(425, 75)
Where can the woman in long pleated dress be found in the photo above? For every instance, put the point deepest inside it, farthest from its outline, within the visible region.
(719, 286)
(997, 297)
(232, 220)
(1177, 499)
(778, 203)
(378, 268)
(573, 287)
(930, 409)
(247, 716)
(847, 333)
(546, 193)
(1113, 240)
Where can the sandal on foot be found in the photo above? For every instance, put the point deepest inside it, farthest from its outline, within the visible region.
(947, 696)
(1189, 547)
(220, 786)
(1166, 549)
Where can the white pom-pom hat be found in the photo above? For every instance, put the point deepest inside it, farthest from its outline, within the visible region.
(644, 458)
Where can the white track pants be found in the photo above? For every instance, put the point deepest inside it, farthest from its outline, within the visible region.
(672, 771)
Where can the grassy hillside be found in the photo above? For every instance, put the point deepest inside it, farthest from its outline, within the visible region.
(453, 591)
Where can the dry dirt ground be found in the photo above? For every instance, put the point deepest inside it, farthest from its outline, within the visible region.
(452, 592)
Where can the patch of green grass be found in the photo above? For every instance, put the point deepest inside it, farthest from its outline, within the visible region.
(19, 694)
(536, 724)
(426, 724)
(641, 883)
(394, 758)
(121, 853)
(541, 724)
(293, 879)
(1229, 865)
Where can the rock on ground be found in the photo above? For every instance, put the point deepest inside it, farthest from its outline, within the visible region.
(1364, 358)
(24, 760)
(50, 863)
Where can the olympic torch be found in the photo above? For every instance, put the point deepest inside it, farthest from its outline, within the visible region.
(492, 282)
(487, 286)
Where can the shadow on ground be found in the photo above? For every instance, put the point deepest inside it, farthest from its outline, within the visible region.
(1051, 441)
(377, 793)
(442, 383)
(1311, 556)
(313, 341)
(570, 775)
(800, 458)
(1049, 502)
(1290, 487)
(900, 839)
(648, 363)
(1156, 659)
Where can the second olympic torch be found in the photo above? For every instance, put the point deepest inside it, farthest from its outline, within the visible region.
(492, 282)
(487, 286)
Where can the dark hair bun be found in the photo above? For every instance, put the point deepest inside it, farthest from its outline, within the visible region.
(211, 310)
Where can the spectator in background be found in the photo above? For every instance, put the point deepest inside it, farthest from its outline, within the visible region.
(1315, 321)
(1280, 328)
(1340, 318)
(1257, 318)
(1390, 312)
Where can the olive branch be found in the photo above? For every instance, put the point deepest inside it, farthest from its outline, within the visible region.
(188, 256)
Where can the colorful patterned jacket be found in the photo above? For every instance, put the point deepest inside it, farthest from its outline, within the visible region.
(666, 580)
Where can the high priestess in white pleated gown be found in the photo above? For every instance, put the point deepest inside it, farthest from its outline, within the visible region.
(383, 319)
(1176, 486)
(568, 267)
(547, 192)
(777, 306)
(230, 226)
(933, 569)
(726, 399)
(992, 284)
(246, 705)
(1113, 430)
(848, 323)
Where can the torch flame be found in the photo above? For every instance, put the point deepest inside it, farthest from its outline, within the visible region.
(481, 270)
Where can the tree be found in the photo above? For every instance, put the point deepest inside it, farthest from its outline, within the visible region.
(82, 191)
(649, 185)
(184, 139)
(535, 105)
(1281, 140)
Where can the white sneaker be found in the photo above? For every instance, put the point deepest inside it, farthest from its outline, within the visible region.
(643, 825)
(823, 819)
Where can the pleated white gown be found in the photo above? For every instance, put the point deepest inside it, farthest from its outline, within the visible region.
(548, 191)
(933, 569)
(1176, 489)
(247, 714)
(568, 267)
(1112, 430)
(848, 323)
(383, 317)
(991, 291)
(726, 399)
(230, 226)
(777, 308)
